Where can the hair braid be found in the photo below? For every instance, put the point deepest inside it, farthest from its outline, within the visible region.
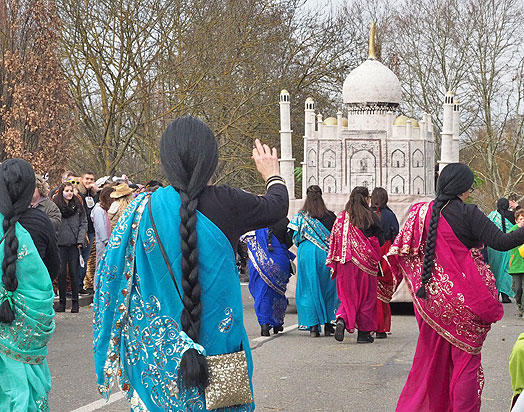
(269, 236)
(193, 365)
(9, 279)
(189, 154)
(503, 219)
(429, 257)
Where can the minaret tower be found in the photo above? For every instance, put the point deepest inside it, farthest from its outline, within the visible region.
(455, 148)
(309, 130)
(446, 144)
(287, 163)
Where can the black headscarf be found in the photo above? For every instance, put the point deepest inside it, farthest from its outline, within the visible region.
(455, 179)
(17, 185)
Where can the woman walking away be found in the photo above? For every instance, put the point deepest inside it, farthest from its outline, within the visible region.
(169, 293)
(499, 259)
(386, 283)
(315, 294)
(102, 223)
(354, 255)
(453, 291)
(71, 238)
(269, 271)
(26, 298)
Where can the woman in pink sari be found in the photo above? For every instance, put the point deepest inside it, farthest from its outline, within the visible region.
(438, 253)
(354, 254)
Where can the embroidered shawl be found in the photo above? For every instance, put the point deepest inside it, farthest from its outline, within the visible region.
(137, 331)
(26, 338)
(461, 302)
(347, 243)
(308, 228)
(273, 267)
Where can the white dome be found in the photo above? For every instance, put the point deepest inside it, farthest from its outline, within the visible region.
(372, 82)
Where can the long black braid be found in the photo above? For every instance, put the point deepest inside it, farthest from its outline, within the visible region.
(270, 239)
(502, 208)
(17, 184)
(189, 154)
(455, 179)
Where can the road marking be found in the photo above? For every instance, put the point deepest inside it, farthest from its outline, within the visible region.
(99, 404)
(119, 395)
(265, 338)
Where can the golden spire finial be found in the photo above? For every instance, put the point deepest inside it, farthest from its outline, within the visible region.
(371, 51)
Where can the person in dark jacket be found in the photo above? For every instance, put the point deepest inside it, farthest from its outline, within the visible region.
(387, 282)
(70, 242)
(42, 202)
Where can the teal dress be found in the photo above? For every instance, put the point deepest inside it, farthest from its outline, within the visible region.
(25, 380)
(138, 337)
(499, 261)
(316, 294)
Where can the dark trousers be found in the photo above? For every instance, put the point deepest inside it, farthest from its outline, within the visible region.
(68, 258)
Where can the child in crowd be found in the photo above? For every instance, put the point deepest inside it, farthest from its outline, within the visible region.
(516, 264)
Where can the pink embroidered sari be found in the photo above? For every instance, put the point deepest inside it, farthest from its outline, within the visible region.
(462, 299)
(454, 319)
(354, 259)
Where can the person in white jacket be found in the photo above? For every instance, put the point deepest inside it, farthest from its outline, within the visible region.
(102, 223)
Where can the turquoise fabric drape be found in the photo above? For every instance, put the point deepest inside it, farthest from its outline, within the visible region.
(138, 336)
(25, 380)
(499, 261)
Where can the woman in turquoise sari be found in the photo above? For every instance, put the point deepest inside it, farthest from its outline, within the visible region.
(316, 294)
(499, 260)
(26, 299)
(153, 326)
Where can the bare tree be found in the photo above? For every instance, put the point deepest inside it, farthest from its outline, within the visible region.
(35, 108)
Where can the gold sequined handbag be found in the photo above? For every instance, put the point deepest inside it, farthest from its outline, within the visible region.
(228, 374)
(228, 380)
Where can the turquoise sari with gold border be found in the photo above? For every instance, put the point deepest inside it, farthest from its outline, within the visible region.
(138, 337)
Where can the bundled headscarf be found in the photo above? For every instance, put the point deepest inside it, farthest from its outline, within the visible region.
(17, 185)
(455, 179)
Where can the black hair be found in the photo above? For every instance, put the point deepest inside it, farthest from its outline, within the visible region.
(74, 205)
(358, 209)
(455, 179)
(189, 155)
(314, 204)
(502, 207)
(17, 184)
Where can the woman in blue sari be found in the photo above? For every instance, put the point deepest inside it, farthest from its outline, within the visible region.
(269, 272)
(153, 326)
(316, 294)
(499, 260)
(26, 296)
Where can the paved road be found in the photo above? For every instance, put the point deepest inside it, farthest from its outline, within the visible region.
(292, 371)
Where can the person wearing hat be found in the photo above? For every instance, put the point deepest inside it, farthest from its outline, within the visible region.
(454, 295)
(123, 195)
